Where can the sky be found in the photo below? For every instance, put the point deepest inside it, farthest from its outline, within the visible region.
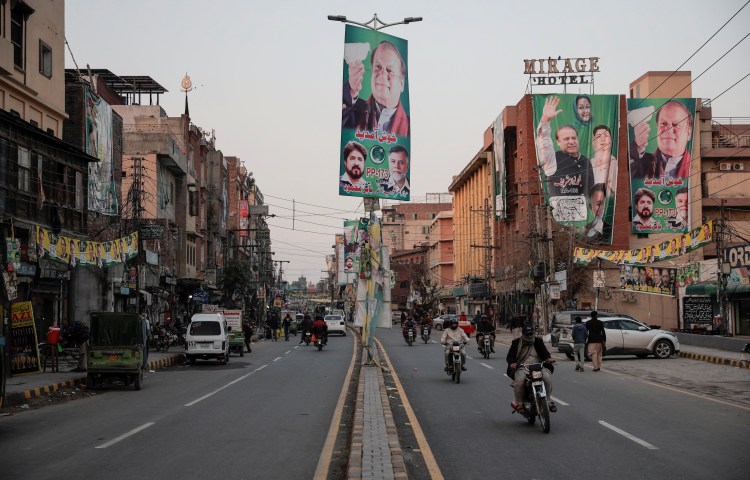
(267, 79)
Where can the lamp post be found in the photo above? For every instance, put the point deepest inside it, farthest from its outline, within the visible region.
(374, 20)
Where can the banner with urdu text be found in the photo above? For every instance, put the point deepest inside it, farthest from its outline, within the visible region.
(85, 253)
(660, 139)
(375, 149)
(576, 145)
(666, 250)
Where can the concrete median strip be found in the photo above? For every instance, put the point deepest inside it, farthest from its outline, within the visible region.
(714, 359)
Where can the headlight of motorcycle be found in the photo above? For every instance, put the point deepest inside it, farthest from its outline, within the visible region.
(456, 348)
(536, 375)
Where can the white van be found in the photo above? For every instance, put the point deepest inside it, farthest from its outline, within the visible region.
(206, 338)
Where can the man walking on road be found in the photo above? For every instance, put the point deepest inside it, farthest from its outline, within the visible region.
(597, 340)
(579, 334)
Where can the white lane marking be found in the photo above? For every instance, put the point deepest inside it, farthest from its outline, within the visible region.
(629, 436)
(557, 400)
(225, 386)
(287, 352)
(277, 359)
(125, 435)
(485, 365)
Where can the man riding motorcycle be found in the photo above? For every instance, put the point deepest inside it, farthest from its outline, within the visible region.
(528, 349)
(484, 327)
(305, 326)
(409, 325)
(320, 329)
(454, 334)
(425, 320)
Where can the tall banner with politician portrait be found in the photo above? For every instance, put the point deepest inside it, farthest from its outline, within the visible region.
(375, 149)
(576, 145)
(660, 139)
(498, 152)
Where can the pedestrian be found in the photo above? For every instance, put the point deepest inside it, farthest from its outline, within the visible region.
(579, 334)
(273, 324)
(597, 340)
(403, 318)
(146, 329)
(247, 329)
(286, 323)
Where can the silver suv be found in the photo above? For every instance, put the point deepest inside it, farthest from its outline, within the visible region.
(626, 336)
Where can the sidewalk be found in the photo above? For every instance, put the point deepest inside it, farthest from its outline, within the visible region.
(19, 390)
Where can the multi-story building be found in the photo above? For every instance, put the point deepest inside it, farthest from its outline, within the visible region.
(42, 178)
(440, 259)
(407, 224)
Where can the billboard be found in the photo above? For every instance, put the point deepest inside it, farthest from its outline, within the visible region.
(576, 140)
(648, 279)
(375, 149)
(244, 224)
(498, 151)
(85, 253)
(660, 139)
(98, 143)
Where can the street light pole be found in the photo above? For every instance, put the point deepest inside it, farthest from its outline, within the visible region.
(374, 21)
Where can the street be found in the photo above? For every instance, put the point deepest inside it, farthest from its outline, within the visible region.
(265, 415)
(617, 423)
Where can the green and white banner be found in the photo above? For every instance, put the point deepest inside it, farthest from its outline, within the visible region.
(660, 133)
(576, 141)
(498, 152)
(375, 149)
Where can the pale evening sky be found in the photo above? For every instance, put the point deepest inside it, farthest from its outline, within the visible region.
(268, 79)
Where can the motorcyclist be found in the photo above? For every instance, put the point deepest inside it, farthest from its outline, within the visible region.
(320, 329)
(485, 327)
(454, 334)
(408, 325)
(305, 326)
(528, 349)
(425, 320)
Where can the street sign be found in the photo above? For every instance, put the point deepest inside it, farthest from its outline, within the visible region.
(263, 235)
(151, 231)
(257, 210)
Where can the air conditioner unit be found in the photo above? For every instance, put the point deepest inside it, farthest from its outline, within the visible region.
(725, 167)
(738, 166)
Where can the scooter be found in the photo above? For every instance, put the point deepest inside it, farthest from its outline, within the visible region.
(485, 347)
(455, 361)
(534, 395)
(425, 333)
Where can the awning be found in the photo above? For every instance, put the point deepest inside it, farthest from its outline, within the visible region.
(711, 288)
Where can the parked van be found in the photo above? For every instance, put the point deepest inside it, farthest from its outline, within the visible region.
(206, 338)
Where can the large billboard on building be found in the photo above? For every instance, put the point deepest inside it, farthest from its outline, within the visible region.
(101, 188)
(660, 139)
(375, 150)
(648, 279)
(576, 141)
(498, 152)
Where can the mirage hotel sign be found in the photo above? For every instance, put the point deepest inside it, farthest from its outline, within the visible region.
(561, 71)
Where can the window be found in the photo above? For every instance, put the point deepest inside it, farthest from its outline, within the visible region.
(16, 35)
(24, 170)
(45, 59)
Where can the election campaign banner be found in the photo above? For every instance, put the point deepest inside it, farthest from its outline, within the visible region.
(576, 145)
(375, 149)
(648, 279)
(660, 139)
(498, 152)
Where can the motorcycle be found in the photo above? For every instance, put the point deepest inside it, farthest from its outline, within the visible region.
(425, 333)
(454, 361)
(534, 396)
(485, 345)
(410, 336)
(319, 343)
(307, 337)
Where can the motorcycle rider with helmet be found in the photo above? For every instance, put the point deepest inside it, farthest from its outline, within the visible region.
(409, 325)
(528, 349)
(454, 334)
(484, 327)
(305, 326)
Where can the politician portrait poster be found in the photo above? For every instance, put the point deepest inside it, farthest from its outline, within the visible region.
(375, 149)
(576, 145)
(660, 141)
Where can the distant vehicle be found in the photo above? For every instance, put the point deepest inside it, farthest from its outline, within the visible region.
(396, 316)
(207, 338)
(335, 324)
(443, 321)
(628, 337)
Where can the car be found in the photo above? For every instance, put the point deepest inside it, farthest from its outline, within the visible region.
(626, 336)
(396, 316)
(441, 322)
(566, 319)
(335, 324)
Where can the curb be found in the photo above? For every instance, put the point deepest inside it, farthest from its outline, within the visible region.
(716, 360)
(19, 398)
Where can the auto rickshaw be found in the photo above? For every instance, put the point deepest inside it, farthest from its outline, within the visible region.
(116, 349)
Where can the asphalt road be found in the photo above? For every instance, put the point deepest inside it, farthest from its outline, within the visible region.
(666, 419)
(265, 415)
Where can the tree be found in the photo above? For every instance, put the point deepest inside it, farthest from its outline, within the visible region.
(236, 282)
(424, 287)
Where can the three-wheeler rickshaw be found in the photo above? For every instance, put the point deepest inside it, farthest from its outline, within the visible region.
(116, 349)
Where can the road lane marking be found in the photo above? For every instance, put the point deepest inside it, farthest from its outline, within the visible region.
(125, 435)
(557, 400)
(287, 352)
(629, 436)
(326, 455)
(225, 386)
(424, 447)
(277, 359)
(485, 365)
